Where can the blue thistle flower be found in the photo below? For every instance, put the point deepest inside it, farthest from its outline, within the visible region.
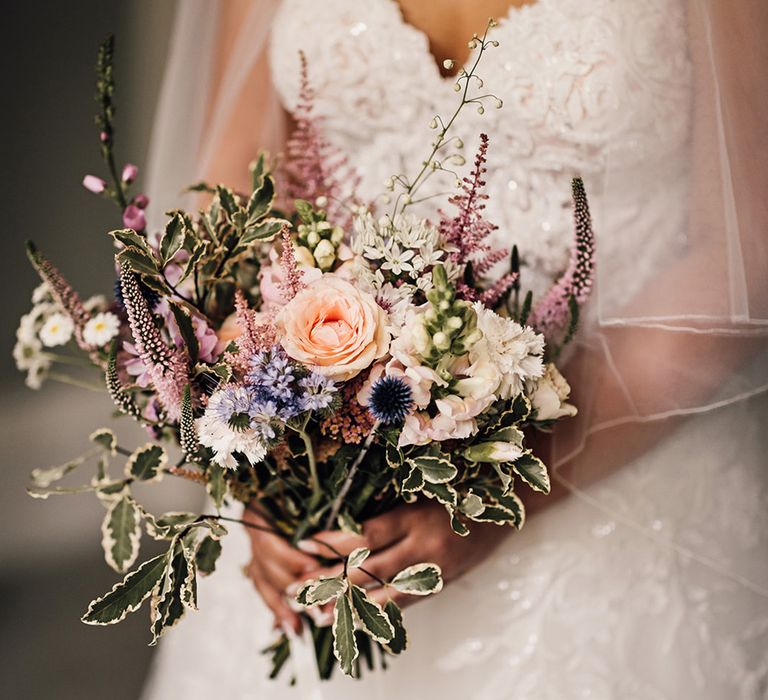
(391, 400)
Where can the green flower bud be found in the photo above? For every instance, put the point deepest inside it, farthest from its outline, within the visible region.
(337, 235)
(325, 254)
(313, 239)
(441, 341)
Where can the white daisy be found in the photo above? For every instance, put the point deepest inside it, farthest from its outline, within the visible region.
(101, 329)
(57, 330)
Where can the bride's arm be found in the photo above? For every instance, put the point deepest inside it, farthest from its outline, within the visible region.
(243, 115)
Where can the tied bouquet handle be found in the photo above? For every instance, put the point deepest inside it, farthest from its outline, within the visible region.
(314, 357)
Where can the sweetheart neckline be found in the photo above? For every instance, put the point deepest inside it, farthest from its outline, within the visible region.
(515, 12)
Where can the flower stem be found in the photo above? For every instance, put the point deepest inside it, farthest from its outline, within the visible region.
(348, 481)
(66, 379)
(314, 480)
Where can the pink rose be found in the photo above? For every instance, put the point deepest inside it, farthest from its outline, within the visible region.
(334, 328)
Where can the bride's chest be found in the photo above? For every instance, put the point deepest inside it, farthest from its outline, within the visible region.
(588, 87)
(575, 75)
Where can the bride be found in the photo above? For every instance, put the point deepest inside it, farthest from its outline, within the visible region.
(645, 574)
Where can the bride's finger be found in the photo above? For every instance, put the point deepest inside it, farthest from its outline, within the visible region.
(273, 599)
(276, 549)
(378, 533)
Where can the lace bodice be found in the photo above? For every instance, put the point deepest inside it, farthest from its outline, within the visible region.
(597, 88)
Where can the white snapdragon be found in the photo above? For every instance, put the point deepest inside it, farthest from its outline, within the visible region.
(57, 330)
(101, 329)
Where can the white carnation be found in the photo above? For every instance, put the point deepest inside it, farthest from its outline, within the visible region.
(515, 351)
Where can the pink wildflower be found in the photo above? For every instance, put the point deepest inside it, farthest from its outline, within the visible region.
(552, 313)
(166, 367)
(313, 167)
(467, 233)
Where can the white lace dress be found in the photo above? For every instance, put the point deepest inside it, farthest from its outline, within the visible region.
(587, 601)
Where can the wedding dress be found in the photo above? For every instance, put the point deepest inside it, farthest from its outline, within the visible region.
(650, 583)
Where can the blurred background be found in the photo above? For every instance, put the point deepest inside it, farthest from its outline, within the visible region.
(50, 552)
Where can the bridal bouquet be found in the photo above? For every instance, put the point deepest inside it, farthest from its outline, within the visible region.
(316, 358)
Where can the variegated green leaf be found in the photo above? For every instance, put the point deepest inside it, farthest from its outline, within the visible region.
(371, 617)
(128, 595)
(436, 470)
(129, 237)
(321, 591)
(187, 331)
(121, 532)
(414, 481)
(348, 524)
(173, 238)
(471, 505)
(419, 579)
(532, 470)
(189, 585)
(227, 200)
(393, 456)
(357, 557)
(166, 606)
(496, 514)
(456, 525)
(261, 200)
(217, 484)
(399, 640)
(138, 261)
(194, 260)
(344, 644)
(513, 503)
(445, 493)
(168, 525)
(43, 478)
(146, 463)
(208, 552)
(105, 439)
(508, 434)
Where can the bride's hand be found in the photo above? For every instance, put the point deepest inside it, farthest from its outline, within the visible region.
(274, 565)
(407, 535)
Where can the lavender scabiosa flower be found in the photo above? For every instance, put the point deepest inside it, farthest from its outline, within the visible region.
(167, 367)
(228, 426)
(274, 382)
(391, 400)
(319, 392)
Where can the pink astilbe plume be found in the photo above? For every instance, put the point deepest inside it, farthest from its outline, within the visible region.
(552, 313)
(314, 168)
(167, 367)
(62, 292)
(468, 231)
(291, 284)
(254, 336)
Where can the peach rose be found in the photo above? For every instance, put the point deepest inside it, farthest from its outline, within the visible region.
(334, 328)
